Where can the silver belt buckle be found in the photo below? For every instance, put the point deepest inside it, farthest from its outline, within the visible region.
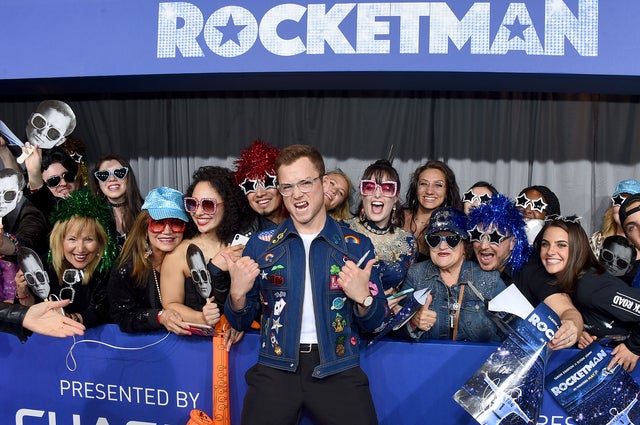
(306, 348)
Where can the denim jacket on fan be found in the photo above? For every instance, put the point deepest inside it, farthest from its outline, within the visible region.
(475, 323)
(279, 291)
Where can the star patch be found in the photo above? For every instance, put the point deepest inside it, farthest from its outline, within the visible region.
(276, 325)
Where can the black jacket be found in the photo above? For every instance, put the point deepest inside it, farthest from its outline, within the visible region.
(11, 318)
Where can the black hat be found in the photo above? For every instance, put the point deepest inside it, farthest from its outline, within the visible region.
(553, 204)
(626, 210)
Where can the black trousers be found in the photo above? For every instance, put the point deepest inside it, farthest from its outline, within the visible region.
(277, 397)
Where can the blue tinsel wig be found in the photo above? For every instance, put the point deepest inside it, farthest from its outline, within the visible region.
(501, 212)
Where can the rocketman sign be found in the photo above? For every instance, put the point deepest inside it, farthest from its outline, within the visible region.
(70, 38)
(403, 28)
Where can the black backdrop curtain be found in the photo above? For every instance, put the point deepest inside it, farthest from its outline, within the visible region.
(580, 145)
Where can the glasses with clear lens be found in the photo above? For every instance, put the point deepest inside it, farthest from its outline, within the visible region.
(54, 181)
(9, 195)
(305, 186)
(387, 188)
(40, 122)
(104, 175)
(434, 240)
(209, 205)
(176, 225)
(610, 258)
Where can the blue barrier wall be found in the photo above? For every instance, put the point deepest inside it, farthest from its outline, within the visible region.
(412, 383)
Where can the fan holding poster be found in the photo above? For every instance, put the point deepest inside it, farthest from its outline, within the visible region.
(591, 392)
(510, 382)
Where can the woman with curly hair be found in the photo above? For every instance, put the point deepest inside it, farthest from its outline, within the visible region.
(432, 185)
(216, 207)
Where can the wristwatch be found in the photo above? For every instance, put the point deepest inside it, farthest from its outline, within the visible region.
(368, 300)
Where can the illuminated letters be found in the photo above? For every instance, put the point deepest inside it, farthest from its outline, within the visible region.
(232, 31)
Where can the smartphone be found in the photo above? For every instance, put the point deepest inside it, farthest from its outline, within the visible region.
(399, 294)
(200, 329)
(239, 239)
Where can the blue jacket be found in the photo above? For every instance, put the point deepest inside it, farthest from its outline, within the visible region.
(279, 290)
(474, 324)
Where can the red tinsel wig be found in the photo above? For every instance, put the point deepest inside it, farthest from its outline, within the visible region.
(255, 161)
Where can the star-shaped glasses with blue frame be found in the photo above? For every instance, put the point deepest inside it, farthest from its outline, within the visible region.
(251, 185)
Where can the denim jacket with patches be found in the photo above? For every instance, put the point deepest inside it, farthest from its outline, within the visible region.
(279, 291)
(475, 323)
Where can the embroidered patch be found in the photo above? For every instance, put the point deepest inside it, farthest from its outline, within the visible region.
(373, 288)
(338, 303)
(338, 323)
(275, 344)
(336, 239)
(352, 239)
(340, 349)
(279, 237)
(354, 341)
(276, 325)
(269, 257)
(279, 306)
(276, 279)
(266, 235)
(333, 278)
(265, 304)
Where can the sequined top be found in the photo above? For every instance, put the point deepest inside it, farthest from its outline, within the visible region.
(395, 252)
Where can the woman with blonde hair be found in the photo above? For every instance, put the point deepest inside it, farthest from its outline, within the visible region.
(338, 195)
(610, 221)
(82, 250)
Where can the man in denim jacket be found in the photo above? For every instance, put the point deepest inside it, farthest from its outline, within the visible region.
(306, 276)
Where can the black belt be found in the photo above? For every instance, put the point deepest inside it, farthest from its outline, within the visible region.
(307, 348)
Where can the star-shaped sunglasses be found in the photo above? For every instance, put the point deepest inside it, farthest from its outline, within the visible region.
(252, 185)
(470, 197)
(494, 237)
(523, 201)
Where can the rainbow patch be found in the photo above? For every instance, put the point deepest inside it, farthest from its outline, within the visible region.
(352, 239)
(268, 257)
